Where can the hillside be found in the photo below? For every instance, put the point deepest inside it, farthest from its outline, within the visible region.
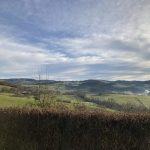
(94, 86)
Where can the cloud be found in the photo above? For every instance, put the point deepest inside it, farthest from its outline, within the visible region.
(80, 39)
(21, 58)
(84, 17)
(89, 59)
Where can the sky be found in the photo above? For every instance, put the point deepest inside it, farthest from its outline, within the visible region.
(75, 39)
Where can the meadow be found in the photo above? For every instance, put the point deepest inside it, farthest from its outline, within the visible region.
(125, 99)
(10, 100)
(72, 100)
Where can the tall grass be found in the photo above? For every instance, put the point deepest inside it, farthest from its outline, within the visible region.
(49, 129)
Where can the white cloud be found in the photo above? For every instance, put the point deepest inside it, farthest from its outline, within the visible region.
(102, 33)
(131, 77)
(19, 57)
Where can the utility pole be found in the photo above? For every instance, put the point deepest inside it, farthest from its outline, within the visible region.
(39, 86)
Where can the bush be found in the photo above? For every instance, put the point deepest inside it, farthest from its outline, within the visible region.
(44, 129)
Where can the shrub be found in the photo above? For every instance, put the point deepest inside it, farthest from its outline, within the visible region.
(45, 129)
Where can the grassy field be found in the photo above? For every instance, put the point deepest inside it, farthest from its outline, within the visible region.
(124, 99)
(71, 101)
(68, 102)
(9, 100)
(4, 86)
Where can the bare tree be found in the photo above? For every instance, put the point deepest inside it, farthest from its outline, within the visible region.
(44, 94)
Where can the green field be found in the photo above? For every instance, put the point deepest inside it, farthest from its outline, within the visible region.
(9, 100)
(125, 99)
(71, 100)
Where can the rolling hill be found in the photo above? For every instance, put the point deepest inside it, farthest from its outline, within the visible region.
(91, 86)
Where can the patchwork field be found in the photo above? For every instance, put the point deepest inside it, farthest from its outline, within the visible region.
(71, 101)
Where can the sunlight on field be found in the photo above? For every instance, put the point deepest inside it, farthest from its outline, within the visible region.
(9, 100)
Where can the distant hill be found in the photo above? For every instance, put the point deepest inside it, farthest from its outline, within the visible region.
(115, 86)
(94, 86)
(26, 81)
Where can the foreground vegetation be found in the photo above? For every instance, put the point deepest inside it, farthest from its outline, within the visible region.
(51, 129)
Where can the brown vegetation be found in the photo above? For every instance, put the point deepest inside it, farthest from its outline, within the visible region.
(45, 129)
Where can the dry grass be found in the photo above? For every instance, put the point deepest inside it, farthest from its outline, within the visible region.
(50, 129)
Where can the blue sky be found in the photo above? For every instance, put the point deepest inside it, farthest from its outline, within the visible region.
(75, 39)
